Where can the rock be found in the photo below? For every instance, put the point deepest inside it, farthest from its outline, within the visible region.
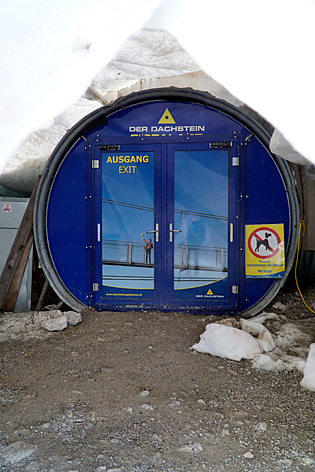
(46, 426)
(34, 466)
(261, 427)
(147, 407)
(73, 318)
(174, 403)
(17, 452)
(217, 415)
(248, 455)
(104, 469)
(196, 447)
(285, 463)
(55, 322)
(279, 306)
(53, 307)
(201, 401)
(307, 461)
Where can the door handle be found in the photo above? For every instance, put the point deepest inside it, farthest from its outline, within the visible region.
(173, 231)
(156, 231)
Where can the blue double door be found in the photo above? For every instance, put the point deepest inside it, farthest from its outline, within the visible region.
(166, 226)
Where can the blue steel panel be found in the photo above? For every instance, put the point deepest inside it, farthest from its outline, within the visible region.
(266, 203)
(261, 180)
(163, 122)
(123, 225)
(67, 223)
(141, 122)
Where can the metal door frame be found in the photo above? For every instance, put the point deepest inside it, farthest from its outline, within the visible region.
(163, 216)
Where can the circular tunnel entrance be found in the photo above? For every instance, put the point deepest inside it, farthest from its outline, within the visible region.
(167, 199)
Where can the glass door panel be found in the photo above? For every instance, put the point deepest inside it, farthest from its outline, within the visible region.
(164, 222)
(201, 215)
(128, 223)
(202, 219)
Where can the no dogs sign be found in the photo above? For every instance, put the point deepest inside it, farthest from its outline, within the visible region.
(264, 251)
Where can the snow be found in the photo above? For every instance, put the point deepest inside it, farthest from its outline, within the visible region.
(308, 380)
(50, 52)
(160, 60)
(228, 342)
(284, 345)
(53, 51)
(261, 52)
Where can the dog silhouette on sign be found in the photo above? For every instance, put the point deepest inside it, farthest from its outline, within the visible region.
(263, 242)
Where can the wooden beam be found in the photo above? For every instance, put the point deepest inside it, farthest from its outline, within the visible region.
(42, 296)
(17, 249)
(17, 279)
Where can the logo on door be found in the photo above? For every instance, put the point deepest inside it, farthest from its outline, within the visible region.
(167, 126)
(166, 118)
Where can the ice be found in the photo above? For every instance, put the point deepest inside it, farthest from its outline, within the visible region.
(227, 342)
(308, 380)
(265, 362)
(282, 346)
(265, 338)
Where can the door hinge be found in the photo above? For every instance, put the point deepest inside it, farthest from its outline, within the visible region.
(235, 161)
(109, 147)
(221, 144)
(95, 287)
(95, 164)
(235, 289)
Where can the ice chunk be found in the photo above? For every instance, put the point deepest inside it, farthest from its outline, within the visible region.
(265, 338)
(308, 380)
(227, 342)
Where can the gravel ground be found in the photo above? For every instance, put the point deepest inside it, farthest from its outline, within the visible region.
(124, 392)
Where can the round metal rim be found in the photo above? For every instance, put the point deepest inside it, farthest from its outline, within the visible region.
(98, 117)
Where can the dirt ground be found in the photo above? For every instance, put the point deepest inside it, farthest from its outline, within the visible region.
(125, 392)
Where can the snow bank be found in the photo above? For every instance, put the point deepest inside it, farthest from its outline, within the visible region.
(275, 76)
(227, 342)
(145, 60)
(51, 51)
(282, 346)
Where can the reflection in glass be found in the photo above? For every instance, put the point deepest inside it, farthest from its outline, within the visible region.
(127, 212)
(201, 213)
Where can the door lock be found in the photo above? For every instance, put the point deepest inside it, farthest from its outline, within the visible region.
(173, 231)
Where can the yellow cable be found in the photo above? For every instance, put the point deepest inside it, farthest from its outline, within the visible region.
(296, 263)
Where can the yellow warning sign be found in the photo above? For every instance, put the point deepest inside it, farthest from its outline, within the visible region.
(209, 292)
(166, 118)
(264, 251)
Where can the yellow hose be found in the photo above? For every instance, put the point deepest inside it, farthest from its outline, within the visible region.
(296, 263)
